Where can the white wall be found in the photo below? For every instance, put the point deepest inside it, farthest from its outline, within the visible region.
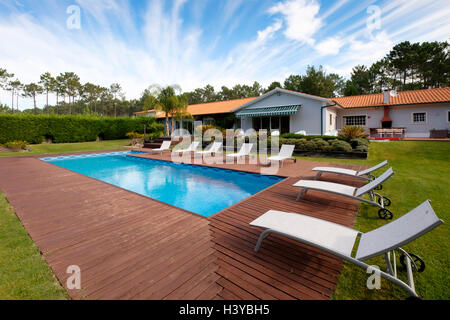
(307, 118)
(334, 119)
(402, 118)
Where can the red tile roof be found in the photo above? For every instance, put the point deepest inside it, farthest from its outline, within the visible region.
(214, 107)
(403, 98)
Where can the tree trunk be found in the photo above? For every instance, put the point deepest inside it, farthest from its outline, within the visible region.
(167, 124)
(12, 101)
(48, 110)
(34, 99)
(173, 125)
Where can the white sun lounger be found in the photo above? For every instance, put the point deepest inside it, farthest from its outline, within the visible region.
(165, 146)
(286, 152)
(339, 240)
(193, 146)
(364, 174)
(214, 148)
(244, 151)
(352, 192)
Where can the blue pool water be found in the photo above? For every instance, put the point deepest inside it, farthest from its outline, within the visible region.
(198, 189)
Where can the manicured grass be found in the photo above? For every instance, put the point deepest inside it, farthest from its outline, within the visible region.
(422, 171)
(37, 149)
(24, 273)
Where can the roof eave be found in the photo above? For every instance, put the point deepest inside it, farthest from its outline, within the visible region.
(279, 90)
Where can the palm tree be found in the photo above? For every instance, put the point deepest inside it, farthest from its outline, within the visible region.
(163, 99)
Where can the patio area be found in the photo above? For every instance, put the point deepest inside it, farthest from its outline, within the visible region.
(132, 247)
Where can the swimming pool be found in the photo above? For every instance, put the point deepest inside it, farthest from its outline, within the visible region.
(199, 189)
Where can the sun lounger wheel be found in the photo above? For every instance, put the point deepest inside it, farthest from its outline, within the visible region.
(418, 262)
(385, 214)
(380, 187)
(386, 201)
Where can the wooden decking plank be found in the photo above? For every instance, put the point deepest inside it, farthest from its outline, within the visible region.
(130, 246)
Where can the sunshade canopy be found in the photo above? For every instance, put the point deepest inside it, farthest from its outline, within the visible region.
(268, 111)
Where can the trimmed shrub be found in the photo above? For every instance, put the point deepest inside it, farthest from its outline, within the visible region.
(35, 128)
(299, 136)
(359, 142)
(362, 148)
(16, 145)
(340, 145)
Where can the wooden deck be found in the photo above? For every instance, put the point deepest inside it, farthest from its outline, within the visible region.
(132, 247)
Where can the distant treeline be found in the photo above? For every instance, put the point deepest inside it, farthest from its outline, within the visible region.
(408, 66)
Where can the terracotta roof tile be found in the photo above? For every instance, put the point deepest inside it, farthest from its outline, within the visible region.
(214, 107)
(404, 97)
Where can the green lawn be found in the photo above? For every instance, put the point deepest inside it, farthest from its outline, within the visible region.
(24, 274)
(422, 171)
(69, 147)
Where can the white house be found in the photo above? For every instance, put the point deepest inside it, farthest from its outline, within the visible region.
(418, 113)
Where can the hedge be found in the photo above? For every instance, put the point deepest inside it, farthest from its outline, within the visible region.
(36, 128)
(300, 136)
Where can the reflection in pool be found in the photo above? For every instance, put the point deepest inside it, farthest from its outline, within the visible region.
(198, 189)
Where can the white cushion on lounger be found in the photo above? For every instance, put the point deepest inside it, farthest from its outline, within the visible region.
(337, 170)
(316, 231)
(326, 186)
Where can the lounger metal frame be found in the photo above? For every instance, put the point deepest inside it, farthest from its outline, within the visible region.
(389, 256)
(376, 199)
(365, 174)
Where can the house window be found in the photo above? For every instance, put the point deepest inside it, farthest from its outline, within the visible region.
(419, 117)
(355, 120)
(448, 116)
(331, 119)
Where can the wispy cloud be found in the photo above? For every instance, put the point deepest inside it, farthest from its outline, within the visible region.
(301, 18)
(194, 43)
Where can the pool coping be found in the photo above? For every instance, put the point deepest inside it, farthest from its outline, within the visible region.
(283, 178)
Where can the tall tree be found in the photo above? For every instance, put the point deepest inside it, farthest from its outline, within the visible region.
(47, 83)
(14, 87)
(116, 90)
(31, 90)
(273, 86)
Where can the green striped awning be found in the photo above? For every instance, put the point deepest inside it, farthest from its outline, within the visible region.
(268, 111)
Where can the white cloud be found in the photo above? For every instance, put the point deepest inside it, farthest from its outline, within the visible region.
(301, 19)
(269, 32)
(330, 46)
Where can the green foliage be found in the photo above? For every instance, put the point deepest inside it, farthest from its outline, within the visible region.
(359, 142)
(36, 128)
(316, 81)
(340, 145)
(353, 132)
(16, 145)
(408, 66)
(299, 136)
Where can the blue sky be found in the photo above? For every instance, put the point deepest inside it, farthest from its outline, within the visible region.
(198, 42)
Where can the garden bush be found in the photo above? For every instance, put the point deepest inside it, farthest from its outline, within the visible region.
(36, 128)
(359, 142)
(299, 136)
(352, 132)
(340, 145)
(16, 145)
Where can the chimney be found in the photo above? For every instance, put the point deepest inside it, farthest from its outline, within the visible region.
(387, 95)
(386, 122)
